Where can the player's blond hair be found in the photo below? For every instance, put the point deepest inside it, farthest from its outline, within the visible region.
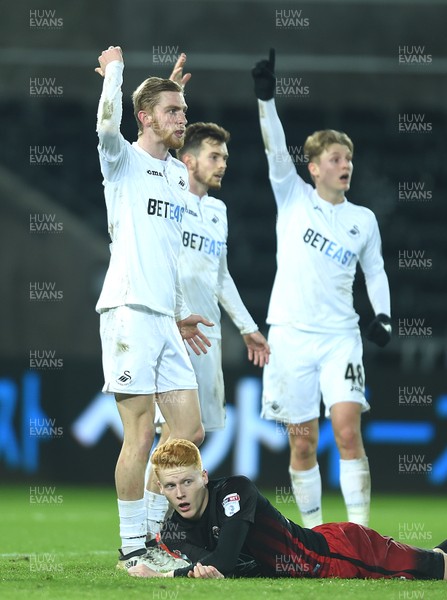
(319, 141)
(147, 95)
(176, 453)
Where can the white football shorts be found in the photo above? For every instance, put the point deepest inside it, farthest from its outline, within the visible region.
(208, 370)
(305, 366)
(143, 352)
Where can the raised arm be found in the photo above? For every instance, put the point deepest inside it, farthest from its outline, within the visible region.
(177, 72)
(110, 108)
(280, 162)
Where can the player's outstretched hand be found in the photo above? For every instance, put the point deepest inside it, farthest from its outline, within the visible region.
(264, 76)
(192, 334)
(258, 348)
(107, 56)
(143, 571)
(177, 72)
(379, 330)
(205, 572)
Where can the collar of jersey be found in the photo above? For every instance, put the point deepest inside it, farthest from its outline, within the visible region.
(327, 206)
(197, 199)
(158, 161)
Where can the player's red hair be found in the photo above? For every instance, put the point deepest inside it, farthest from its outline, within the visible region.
(176, 453)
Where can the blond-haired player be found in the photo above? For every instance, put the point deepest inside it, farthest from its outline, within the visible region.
(314, 333)
(143, 313)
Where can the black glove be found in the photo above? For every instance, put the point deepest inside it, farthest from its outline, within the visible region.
(379, 330)
(264, 76)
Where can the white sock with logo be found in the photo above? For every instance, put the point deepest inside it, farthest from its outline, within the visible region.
(132, 514)
(156, 509)
(306, 486)
(355, 483)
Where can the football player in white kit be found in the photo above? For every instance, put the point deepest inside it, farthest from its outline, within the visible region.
(314, 333)
(203, 268)
(143, 313)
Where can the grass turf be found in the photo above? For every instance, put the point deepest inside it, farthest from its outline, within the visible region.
(61, 543)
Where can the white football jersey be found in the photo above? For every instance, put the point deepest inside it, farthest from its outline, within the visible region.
(319, 245)
(203, 269)
(145, 199)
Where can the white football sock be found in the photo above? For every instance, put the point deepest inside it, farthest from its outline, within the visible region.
(132, 514)
(156, 508)
(306, 486)
(355, 483)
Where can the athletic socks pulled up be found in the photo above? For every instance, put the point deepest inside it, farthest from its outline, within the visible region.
(355, 483)
(306, 486)
(132, 515)
(156, 509)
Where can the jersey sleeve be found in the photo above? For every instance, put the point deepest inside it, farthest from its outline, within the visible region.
(112, 145)
(231, 301)
(181, 308)
(379, 293)
(285, 181)
(371, 262)
(236, 505)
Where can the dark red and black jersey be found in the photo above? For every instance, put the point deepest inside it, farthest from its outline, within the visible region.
(243, 535)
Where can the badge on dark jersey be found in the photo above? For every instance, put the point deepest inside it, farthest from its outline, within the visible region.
(231, 504)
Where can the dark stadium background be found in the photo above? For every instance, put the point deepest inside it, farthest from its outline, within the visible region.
(364, 67)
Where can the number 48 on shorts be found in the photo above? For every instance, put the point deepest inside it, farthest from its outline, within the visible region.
(355, 374)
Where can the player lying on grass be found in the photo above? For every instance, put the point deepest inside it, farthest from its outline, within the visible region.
(227, 528)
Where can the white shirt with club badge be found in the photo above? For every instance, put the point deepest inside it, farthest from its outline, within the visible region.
(203, 269)
(145, 199)
(318, 247)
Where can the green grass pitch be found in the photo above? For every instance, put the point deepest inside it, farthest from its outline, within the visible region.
(60, 542)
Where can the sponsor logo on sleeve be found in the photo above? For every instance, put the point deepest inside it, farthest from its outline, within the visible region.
(231, 504)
